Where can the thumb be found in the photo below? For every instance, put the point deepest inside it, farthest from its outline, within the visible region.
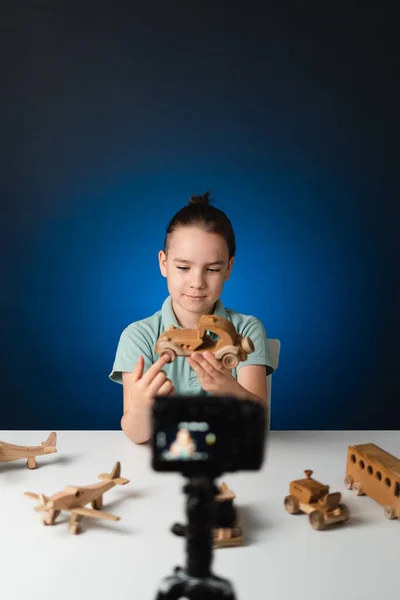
(138, 369)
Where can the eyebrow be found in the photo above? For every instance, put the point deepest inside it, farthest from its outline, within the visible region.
(188, 262)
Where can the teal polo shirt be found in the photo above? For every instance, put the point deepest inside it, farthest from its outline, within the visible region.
(140, 337)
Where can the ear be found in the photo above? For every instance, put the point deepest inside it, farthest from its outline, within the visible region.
(162, 260)
(229, 271)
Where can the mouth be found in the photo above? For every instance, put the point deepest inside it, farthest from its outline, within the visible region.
(196, 297)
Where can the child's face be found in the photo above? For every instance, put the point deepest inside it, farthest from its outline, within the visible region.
(196, 267)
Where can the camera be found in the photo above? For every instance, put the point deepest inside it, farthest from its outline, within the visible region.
(207, 435)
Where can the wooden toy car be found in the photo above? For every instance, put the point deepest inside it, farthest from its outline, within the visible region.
(11, 452)
(311, 497)
(376, 473)
(230, 348)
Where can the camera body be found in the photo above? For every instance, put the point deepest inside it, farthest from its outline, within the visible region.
(207, 435)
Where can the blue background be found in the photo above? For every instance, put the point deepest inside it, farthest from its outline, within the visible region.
(111, 120)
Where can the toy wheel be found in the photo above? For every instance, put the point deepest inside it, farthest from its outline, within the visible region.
(171, 354)
(247, 345)
(345, 512)
(291, 504)
(230, 361)
(357, 488)
(389, 512)
(348, 482)
(316, 519)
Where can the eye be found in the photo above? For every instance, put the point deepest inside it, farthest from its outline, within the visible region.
(214, 270)
(183, 268)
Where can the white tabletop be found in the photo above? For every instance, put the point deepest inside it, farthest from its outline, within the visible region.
(284, 557)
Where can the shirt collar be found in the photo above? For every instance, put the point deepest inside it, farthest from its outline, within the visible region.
(169, 318)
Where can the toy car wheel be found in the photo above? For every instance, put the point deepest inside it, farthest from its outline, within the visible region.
(247, 345)
(348, 482)
(171, 354)
(357, 488)
(389, 512)
(291, 504)
(316, 519)
(230, 361)
(345, 512)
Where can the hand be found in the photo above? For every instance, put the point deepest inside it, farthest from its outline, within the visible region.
(142, 387)
(213, 376)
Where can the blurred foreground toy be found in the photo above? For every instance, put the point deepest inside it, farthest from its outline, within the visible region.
(11, 452)
(312, 497)
(230, 348)
(73, 499)
(376, 473)
(227, 531)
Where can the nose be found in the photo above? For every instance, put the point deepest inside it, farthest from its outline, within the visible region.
(198, 281)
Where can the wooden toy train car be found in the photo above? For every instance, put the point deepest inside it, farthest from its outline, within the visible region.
(376, 473)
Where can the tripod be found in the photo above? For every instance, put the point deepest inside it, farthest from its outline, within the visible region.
(196, 581)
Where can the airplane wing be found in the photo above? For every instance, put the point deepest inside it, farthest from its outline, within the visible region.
(90, 512)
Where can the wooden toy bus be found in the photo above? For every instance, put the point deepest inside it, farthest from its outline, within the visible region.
(375, 473)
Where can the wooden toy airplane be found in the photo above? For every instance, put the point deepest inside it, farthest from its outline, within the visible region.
(10, 452)
(73, 499)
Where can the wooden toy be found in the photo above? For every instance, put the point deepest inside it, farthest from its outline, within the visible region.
(375, 473)
(11, 452)
(228, 532)
(73, 499)
(312, 497)
(230, 348)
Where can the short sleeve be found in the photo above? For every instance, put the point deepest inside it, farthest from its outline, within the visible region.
(132, 343)
(255, 330)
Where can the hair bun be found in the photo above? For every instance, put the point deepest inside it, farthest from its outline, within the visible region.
(204, 199)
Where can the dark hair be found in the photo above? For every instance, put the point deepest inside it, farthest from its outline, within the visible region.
(199, 213)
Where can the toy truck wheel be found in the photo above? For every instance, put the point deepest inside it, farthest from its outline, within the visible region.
(171, 354)
(230, 361)
(357, 488)
(316, 519)
(291, 504)
(389, 512)
(345, 512)
(247, 345)
(348, 482)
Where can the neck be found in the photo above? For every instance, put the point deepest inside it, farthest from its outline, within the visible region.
(189, 320)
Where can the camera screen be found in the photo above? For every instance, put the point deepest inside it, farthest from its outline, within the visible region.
(187, 441)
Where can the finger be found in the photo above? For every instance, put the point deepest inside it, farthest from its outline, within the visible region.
(155, 369)
(217, 364)
(197, 367)
(166, 388)
(205, 365)
(138, 369)
(156, 384)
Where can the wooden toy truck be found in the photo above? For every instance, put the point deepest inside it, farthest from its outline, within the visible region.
(312, 497)
(376, 473)
(230, 348)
